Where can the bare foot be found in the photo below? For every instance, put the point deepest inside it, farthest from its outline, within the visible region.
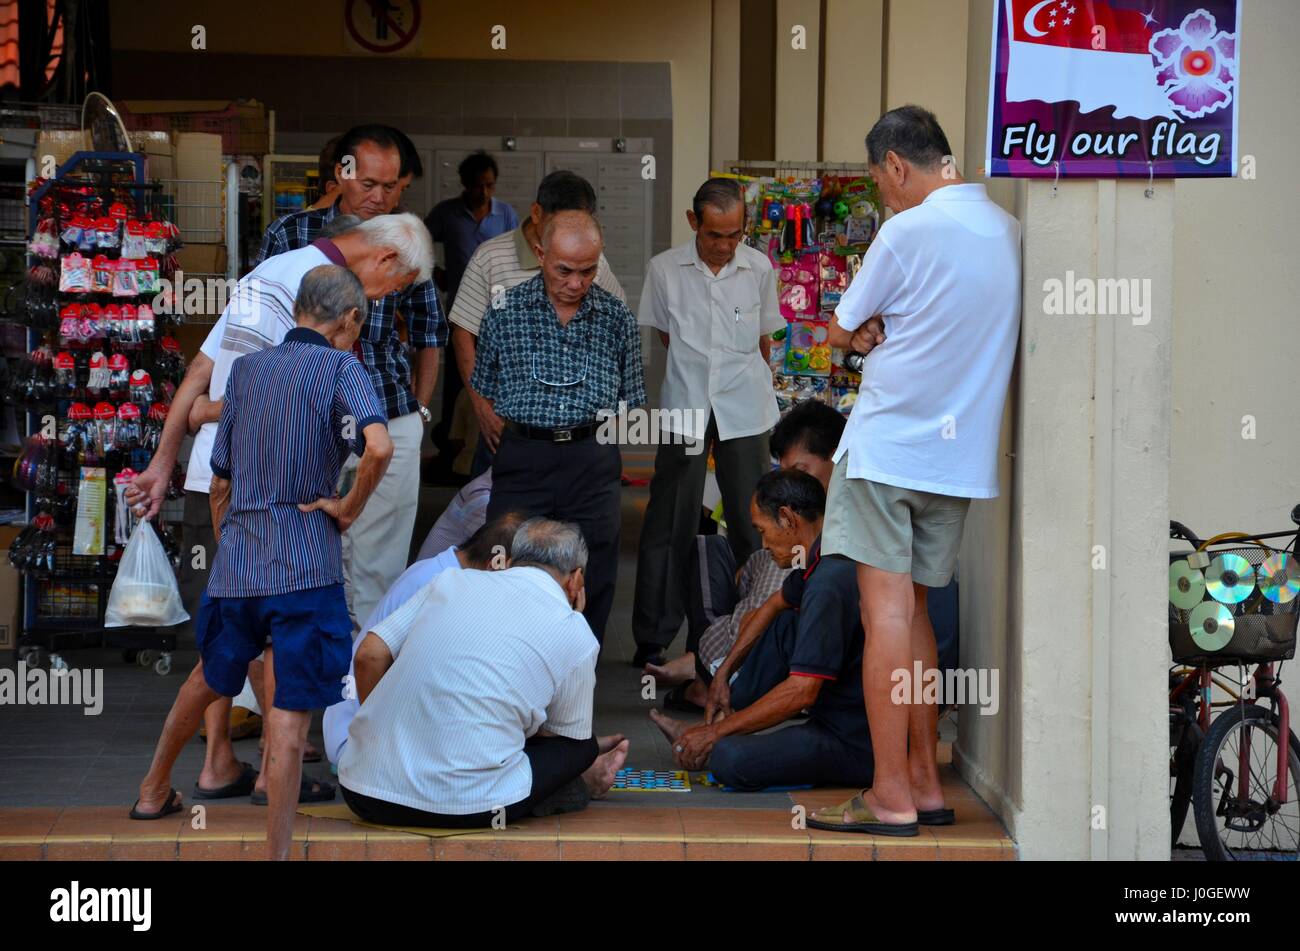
(223, 774)
(607, 743)
(696, 693)
(883, 814)
(679, 670)
(671, 728)
(600, 774)
(153, 798)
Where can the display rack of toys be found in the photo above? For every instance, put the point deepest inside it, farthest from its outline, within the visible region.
(813, 222)
(102, 370)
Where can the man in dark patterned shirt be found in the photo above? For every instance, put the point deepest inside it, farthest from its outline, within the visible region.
(369, 170)
(556, 352)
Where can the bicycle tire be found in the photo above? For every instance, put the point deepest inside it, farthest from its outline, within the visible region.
(1204, 802)
(1183, 761)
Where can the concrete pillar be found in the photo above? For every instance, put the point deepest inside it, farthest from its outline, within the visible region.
(1091, 516)
(854, 86)
(797, 72)
(725, 106)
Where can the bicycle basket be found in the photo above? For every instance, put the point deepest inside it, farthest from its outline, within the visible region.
(1233, 603)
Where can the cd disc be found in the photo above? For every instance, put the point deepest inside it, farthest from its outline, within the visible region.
(1230, 579)
(1279, 578)
(1211, 626)
(1186, 585)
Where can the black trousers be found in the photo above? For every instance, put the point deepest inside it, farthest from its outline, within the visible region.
(557, 764)
(573, 482)
(672, 518)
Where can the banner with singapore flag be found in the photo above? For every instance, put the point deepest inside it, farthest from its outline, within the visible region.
(1115, 88)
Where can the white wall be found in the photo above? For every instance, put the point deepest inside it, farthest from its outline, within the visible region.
(1236, 287)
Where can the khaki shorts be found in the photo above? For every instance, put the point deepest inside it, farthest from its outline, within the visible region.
(899, 530)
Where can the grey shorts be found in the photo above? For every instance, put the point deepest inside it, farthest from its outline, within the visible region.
(900, 530)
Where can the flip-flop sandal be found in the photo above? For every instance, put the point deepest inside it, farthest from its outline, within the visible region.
(306, 793)
(862, 819)
(240, 787)
(171, 806)
(936, 817)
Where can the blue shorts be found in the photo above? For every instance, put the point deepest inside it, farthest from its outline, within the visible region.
(312, 634)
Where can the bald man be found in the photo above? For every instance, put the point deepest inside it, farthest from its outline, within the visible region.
(553, 353)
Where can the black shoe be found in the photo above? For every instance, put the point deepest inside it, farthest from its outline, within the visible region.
(649, 654)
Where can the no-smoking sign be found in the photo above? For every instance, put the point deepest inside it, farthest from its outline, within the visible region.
(381, 26)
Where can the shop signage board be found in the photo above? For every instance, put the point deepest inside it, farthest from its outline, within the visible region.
(381, 26)
(1115, 89)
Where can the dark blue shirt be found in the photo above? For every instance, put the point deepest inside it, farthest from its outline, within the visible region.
(292, 414)
(454, 225)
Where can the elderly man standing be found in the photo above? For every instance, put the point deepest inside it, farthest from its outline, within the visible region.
(923, 438)
(714, 302)
(386, 253)
(460, 225)
(555, 354)
(504, 262)
(290, 416)
(370, 170)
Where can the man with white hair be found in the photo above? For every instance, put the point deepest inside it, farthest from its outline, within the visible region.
(385, 254)
(371, 166)
(277, 578)
(486, 714)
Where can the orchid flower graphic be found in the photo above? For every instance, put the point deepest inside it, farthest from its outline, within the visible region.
(1197, 65)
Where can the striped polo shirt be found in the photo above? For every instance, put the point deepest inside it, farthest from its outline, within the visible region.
(281, 441)
(499, 264)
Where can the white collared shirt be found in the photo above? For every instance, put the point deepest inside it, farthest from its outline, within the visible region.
(338, 717)
(256, 317)
(945, 275)
(714, 323)
(492, 657)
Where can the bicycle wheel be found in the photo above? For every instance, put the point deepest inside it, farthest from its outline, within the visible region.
(1250, 826)
(1182, 769)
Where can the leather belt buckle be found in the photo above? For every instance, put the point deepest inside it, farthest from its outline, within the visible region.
(563, 435)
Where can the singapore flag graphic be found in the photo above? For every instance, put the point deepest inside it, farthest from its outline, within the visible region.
(1086, 52)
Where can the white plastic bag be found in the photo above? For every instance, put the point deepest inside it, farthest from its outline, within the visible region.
(144, 592)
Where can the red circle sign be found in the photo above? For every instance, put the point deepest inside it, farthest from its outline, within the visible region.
(385, 25)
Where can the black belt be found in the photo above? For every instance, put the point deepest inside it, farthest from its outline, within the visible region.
(572, 434)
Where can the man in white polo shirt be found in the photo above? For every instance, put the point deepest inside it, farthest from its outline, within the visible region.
(944, 273)
(713, 301)
(504, 262)
(488, 549)
(486, 714)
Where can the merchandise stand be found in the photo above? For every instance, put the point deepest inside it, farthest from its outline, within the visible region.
(101, 375)
(813, 221)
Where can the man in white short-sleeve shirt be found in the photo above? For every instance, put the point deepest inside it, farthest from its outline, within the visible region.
(936, 308)
(373, 652)
(713, 301)
(487, 711)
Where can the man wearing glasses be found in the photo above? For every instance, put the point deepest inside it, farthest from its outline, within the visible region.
(554, 353)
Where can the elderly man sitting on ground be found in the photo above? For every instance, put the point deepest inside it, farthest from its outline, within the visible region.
(488, 549)
(485, 716)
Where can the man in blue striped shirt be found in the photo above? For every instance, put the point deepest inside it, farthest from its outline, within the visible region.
(291, 415)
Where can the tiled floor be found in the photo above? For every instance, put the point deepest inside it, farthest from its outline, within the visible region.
(67, 781)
